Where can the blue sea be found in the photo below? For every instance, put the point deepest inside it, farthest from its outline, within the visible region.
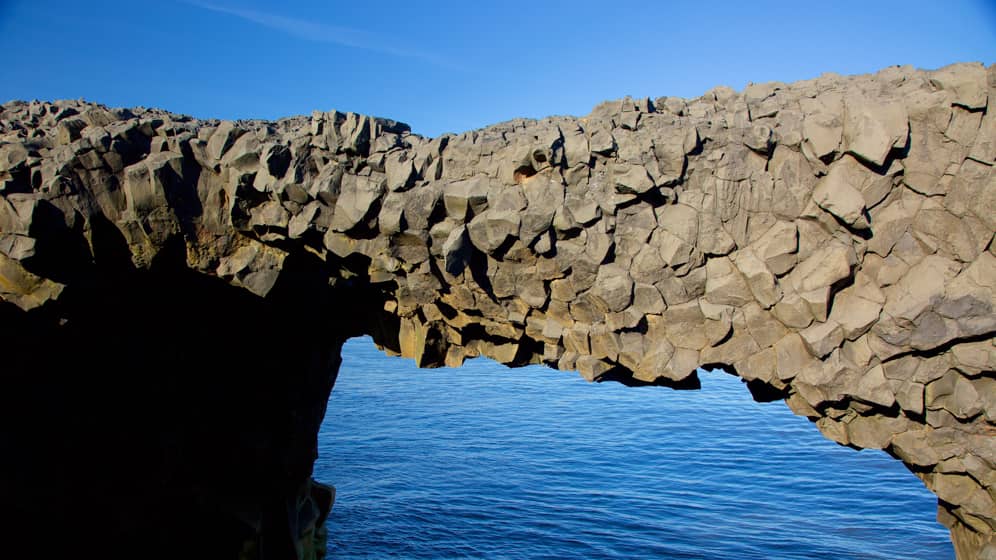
(485, 461)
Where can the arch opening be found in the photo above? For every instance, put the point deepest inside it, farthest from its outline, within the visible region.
(532, 462)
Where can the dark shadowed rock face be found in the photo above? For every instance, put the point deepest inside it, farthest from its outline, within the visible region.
(176, 291)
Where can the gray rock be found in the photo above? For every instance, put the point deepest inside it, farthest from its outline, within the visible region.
(631, 179)
(822, 338)
(356, 200)
(873, 128)
(778, 247)
(222, 139)
(830, 240)
(760, 139)
(967, 82)
(835, 194)
(725, 285)
(490, 230)
(873, 387)
(613, 289)
(824, 267)
(854, 314)
(760, 280)
(822, 133)
(466, 198)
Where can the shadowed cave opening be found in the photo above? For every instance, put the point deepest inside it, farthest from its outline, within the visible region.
(489, 461)
(163, 413)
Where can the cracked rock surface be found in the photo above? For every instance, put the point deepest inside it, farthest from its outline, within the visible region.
(829, 241)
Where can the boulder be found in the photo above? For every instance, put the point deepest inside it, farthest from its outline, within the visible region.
(356, 200)
(466, 198)
(222, 139)
(835, 194)
(613, 289)
(872, 128)
(725, 285)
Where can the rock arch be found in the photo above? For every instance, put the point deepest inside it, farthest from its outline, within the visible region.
(829, 240)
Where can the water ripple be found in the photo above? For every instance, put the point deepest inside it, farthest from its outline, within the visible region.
(490, 462)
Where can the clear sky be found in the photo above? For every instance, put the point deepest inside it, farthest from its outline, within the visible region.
(456, 65)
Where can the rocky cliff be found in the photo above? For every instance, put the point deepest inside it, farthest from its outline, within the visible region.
(175, 291)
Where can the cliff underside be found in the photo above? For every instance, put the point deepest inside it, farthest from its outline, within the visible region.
(175, 292)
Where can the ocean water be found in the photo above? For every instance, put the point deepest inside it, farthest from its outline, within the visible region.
(486, 461)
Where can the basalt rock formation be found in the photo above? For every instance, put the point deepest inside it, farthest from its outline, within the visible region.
(176, 291)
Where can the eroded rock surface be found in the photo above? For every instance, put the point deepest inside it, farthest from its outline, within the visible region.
(829, 241)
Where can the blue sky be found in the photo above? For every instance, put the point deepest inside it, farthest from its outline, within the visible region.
(452, 66)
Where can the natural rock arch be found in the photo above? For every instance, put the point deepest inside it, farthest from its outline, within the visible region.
(830, 241)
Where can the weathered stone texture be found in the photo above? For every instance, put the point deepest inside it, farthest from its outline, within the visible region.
(830, 241)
